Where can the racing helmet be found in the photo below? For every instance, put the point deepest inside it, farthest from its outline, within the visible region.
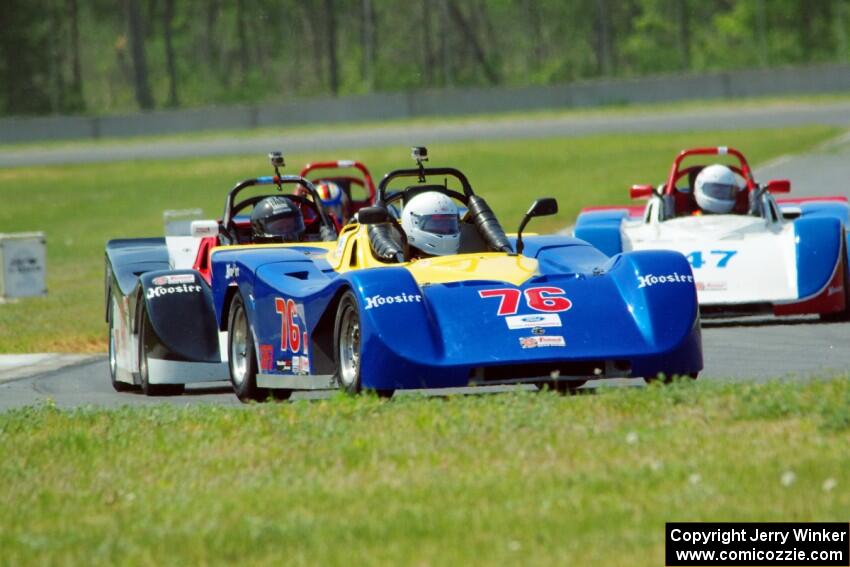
(277, 219)
(716, 189)
(431, 223)
(334, 200)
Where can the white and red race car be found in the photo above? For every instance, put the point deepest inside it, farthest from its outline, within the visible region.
(779, 256)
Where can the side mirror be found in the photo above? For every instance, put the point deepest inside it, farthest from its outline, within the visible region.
(641, 191)
(542, 207)
(204, 228)
(778, 186)
(539, 208)
(373, 215)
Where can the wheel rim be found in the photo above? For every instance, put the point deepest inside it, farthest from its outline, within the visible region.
(239, 348)
(113, 358)
(349, 348)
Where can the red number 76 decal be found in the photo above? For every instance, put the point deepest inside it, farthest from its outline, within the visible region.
(546, 299)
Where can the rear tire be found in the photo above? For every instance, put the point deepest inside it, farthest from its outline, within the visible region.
(144, 373)
(242, 358)
(117, 385)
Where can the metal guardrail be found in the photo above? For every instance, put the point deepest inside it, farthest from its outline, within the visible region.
(382, 106)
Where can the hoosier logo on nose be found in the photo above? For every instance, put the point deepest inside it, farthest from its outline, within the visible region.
(651, 279)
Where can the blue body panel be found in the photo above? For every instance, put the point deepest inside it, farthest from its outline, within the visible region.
(602, 229)
(440, 335)
(835, 209)
(819, 248)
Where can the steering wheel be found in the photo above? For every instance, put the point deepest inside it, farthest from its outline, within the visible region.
(256, 199)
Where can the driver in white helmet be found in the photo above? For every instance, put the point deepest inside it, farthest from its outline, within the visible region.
(716, 190)
(431, 223)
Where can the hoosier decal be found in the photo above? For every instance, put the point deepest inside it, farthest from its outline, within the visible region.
(381, 300)
(651, 279)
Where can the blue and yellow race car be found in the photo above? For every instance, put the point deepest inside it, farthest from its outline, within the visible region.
(364, 311)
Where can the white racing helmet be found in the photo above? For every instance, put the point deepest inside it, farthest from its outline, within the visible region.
(334, 200)
(716, 189)
(431, 223)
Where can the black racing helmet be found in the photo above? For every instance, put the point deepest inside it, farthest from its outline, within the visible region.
(277, 219)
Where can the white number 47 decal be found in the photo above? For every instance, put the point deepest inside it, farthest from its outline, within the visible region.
(697, 259)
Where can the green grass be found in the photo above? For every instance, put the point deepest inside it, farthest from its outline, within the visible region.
(81, 207)
(522, 478)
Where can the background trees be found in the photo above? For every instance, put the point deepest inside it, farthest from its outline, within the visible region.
(60, 56)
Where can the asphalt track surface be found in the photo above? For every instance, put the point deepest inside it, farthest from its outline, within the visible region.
(742, 349)
(769, 115)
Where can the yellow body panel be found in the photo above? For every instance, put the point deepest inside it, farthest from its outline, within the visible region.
(352, 252)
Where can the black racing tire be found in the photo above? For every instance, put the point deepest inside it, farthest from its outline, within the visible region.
(144, 377)
(347, 345)
(117, 385)
(242, 357)
(347, 348)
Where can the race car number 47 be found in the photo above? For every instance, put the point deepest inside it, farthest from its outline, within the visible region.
(716, 258)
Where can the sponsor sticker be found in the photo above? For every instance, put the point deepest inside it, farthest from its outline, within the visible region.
(711, 286)
(340, 246)
(159, 291)
(832, 290)
(305, 364)
(296, 365)
(381, 300)
(232, 272)
(266, 357)
(174, 280)
(542, 341)
(284, 365)
(650, 280)
(533, 321)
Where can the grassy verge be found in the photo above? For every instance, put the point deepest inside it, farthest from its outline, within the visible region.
(81, 207)
(522, 478)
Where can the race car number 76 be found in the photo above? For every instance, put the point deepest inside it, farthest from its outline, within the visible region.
(545, 298)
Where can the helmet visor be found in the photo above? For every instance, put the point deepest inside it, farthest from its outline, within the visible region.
(289, 224)
(439, 224)
(719, 191)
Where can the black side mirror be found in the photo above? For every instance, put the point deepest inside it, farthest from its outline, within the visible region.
(539, 208)
(373, 215)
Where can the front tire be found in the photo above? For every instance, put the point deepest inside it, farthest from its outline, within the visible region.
(347, 344)
(144, 372)
(348, 348)
(117, 385)
(242, 357)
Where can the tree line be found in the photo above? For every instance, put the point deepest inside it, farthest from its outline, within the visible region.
(100, 56)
